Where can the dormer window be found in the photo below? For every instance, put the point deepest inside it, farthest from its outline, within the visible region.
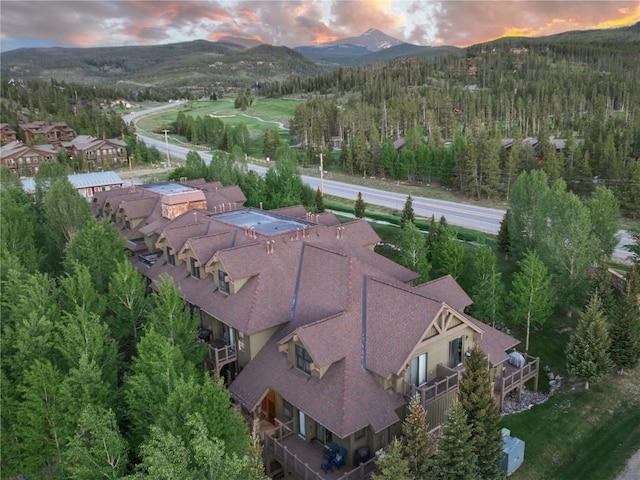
(195, 270)
(222, 281)
(303, 359)
(171, 258)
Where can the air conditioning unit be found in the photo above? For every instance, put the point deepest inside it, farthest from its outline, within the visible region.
(512, 452)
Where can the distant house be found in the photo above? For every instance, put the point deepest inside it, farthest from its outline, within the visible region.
(559, 143)
(54, 132)
(87, 184)
(7, 134)
(24, 160)
(142, 212)
(398, 144)
(97, 152)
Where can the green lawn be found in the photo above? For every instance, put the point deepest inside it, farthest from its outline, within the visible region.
(586, 435)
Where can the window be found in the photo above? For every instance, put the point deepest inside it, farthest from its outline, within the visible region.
(418, 370)
(360, 433)
(286, 410)
(303, 360)
(127, 224)
(89, 192)
(195, 270)
(171, 258)
(222, 282)
(455, 352)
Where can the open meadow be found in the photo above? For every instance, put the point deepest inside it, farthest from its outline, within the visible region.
(263, 114)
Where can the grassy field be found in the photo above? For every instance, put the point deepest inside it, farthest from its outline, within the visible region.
(264, 113)
(577, 434)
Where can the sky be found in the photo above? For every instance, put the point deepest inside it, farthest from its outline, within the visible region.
(95, 23)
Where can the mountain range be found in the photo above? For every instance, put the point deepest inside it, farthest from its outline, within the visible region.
(200, 65)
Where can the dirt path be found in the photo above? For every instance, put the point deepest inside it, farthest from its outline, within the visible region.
(632, 471)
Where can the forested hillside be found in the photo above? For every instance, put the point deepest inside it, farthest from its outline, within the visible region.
(198, 67)
(465, 121)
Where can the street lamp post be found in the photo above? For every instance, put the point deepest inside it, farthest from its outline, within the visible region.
(321, 176)
(166, 142)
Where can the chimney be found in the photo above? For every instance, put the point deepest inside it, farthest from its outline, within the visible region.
(195, 217)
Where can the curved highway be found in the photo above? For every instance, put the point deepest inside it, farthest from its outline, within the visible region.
(472, 217)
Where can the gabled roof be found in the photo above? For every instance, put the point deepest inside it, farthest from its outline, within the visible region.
(348, 397)
(206, 246)
(324, 287)
(446, 289)
(494, 343)
(139, 207)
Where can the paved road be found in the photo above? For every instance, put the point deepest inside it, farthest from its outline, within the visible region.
(481, 219)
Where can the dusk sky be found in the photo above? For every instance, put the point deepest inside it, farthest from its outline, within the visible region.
(91, 23)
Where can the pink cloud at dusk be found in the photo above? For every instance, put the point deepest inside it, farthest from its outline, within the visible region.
(85, 23)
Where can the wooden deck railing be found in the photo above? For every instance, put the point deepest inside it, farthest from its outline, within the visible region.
(273, 445)
(221, 356)
(520, 376)
(435, 389)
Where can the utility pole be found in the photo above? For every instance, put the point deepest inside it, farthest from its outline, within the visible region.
(166, 142)
(321, 176)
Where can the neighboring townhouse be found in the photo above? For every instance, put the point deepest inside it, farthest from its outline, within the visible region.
(54, 132)
(87, 184)
(23, 160)
(141, 212)
(7, 134)
(97, 152)
(320, 339)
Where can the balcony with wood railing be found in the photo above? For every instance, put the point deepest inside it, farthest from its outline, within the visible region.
(221, 354)
(303, 459)
(515, 377)
(446, 382)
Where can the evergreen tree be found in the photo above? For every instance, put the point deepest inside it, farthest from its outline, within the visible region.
(407, 212)
(360, 206)
(532, 295)
(503, 240)
(319, 201)
(267, 145)
(419, 444)
(588, 348)
(456, 458)
(392, 464)
(483, 415)
(624, 331)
